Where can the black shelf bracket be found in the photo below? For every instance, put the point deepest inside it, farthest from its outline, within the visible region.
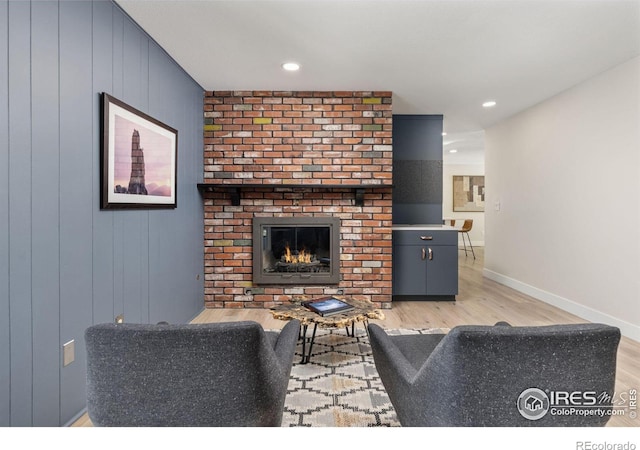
(235, 196)
(359, 196)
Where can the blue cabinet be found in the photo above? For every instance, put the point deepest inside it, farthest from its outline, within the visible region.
(417, 168)
(425, 263)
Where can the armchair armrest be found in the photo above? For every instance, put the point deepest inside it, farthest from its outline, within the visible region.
(389, 359)
(285, 345)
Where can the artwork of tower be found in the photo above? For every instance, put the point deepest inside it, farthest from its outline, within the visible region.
(136, 182)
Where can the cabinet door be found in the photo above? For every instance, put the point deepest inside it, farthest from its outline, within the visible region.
(409, 270)
(442, 270)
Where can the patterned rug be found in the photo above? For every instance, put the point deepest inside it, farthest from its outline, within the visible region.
(340, 386)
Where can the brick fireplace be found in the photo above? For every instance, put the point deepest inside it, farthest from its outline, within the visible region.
(275, 154)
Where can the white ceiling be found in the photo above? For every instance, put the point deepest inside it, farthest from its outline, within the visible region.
(437, 57)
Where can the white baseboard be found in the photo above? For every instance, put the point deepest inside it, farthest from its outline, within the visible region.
(584, 312)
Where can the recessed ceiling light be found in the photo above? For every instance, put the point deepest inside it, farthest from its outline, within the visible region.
(444, 133)
(489, 104)
(453, 150)
(291, 66)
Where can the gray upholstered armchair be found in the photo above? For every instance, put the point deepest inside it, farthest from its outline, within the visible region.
(218, 374)
(476, 375)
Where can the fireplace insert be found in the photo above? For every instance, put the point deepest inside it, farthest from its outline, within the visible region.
(296, 250)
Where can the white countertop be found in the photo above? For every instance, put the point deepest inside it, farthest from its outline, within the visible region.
(420, 227)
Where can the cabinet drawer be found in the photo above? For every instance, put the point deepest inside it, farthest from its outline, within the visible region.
(425, 237)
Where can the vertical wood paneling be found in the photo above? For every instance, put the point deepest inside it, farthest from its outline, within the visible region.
(64, 263)
(45, 218)
(103, 255)
(164, 234)
(118, 218)
(76, 193)
(132, 233)
(5, 360)
(20, 212)
(144, 219)
(192, 139)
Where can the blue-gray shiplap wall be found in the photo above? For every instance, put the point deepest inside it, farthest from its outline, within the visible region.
(64, 263)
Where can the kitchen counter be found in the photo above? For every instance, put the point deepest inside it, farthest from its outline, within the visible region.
(421, 227)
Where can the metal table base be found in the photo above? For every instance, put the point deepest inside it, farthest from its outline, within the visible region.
(306, 354)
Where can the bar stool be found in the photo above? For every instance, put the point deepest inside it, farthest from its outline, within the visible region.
(466, 227)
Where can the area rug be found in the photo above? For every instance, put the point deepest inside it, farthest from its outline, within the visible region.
(340, 386)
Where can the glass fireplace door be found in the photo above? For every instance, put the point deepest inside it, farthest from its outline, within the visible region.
(296, 250)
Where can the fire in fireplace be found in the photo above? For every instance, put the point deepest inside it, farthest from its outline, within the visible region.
(296, 250)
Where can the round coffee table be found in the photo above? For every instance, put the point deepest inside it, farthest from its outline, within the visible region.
(362, 311)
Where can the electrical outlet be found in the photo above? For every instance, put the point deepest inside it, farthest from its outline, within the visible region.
(68, 352)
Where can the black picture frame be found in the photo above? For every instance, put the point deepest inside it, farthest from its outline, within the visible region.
(139, 159)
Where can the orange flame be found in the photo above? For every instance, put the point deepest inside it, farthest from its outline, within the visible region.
(302, 257)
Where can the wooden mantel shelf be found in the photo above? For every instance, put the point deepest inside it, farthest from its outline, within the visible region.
(236, 189)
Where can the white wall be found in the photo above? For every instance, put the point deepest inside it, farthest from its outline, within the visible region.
(567, 175)
(448, 171)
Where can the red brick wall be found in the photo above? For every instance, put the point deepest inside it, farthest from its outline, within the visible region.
(272, 142)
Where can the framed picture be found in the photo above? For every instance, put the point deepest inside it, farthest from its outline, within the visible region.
(138, 158)
(468, 193)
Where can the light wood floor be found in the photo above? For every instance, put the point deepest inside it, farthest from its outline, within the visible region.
(480, 302)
